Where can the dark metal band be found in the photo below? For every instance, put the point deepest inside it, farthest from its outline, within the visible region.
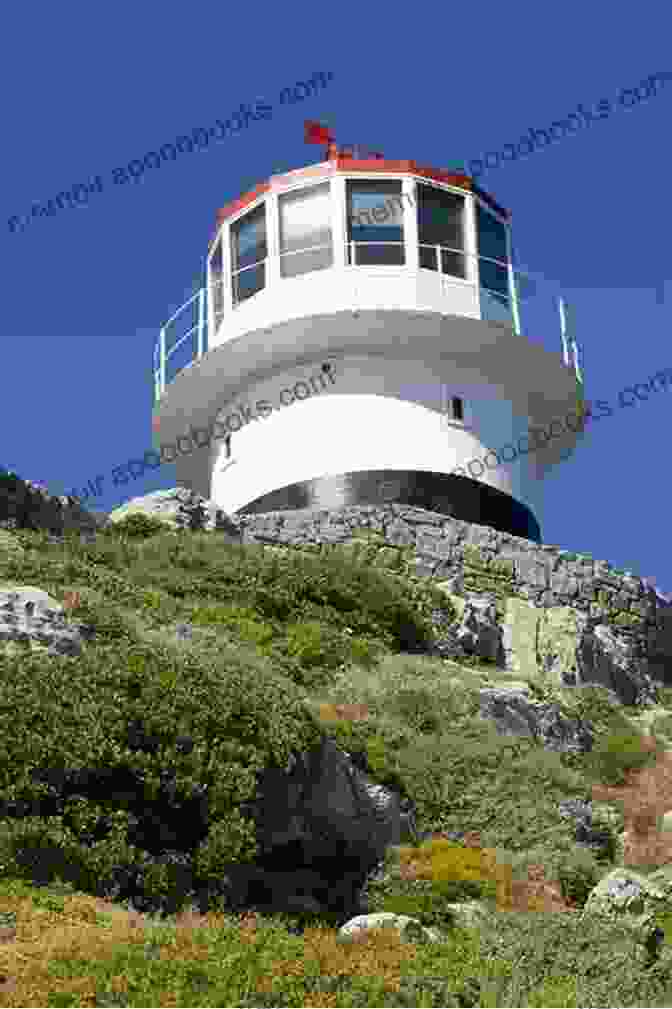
(447, 494)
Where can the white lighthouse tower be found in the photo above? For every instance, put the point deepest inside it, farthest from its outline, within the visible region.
(362, 337)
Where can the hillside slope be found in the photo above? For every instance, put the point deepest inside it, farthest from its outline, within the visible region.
(294, 646)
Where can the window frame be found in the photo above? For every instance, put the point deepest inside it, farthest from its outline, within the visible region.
(372, 181)
(467, 213)
(302, 188)
(221, 243)
(247, 211)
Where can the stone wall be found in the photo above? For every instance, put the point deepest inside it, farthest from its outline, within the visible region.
(25, 505)
(544, 595)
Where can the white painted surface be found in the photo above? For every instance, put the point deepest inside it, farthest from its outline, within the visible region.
(370, 417)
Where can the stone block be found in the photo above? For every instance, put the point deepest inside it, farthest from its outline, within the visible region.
(521, 623)
(559, 635)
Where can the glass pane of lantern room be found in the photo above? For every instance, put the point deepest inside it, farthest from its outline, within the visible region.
(375, 216)
(305, 231)
(494, 278)
(248, 247)
(441, 222)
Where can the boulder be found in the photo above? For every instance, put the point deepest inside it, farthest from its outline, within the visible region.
(409, 929)
(633, 899)
(31, 614)
(181, 508)
(320, 816)
(563, 647)
(478, 632)
(588, 833)
(474, 634)
(515, 714)
(608, 658)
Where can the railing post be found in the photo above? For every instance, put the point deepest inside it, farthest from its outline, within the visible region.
(577, 369)
(201, 320)
(563, 331)
(162, 360)
(513, 295)
(569, 339)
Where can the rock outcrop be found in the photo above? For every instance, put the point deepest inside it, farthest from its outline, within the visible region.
(624, 895)
(326, 818)
(25, 505)
(29, 614)
(408, 928)
(180, 508)
(514, 714)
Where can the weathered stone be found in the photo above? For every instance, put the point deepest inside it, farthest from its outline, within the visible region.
(515, 714)
(559, 634)
(181, 508)
(533, 571)
(591, 831)
(519, 637)
(632, 898)
(564, 584)
(610, 660)
(478, 632)
(323, 814)
(29, 614)
(24, 505)
(409, 929)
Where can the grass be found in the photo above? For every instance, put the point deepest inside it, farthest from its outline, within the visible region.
(414, 721)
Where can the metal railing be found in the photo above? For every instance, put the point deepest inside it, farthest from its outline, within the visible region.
(160, 355)
(501, 303)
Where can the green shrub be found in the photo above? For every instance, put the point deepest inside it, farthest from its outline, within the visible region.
(118, 748)
(316, 644)
(594, 703)
(443, 873)
(347, 594)
(137, 526)
(365, 652)
(600, 955)
(578, 872)
(664, 695)
(615, 754)
(278, 588)
(243, 620)
(416, 705)
(431, 906)
(662, 726)
(468, 773)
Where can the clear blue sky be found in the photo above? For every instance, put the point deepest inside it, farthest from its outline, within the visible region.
(88, 89)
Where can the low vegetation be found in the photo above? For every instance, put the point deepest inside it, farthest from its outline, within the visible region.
(97, 910)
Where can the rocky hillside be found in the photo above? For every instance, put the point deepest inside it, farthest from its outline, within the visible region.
(330, 723)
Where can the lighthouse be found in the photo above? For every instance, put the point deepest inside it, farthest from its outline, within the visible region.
(363, 337)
